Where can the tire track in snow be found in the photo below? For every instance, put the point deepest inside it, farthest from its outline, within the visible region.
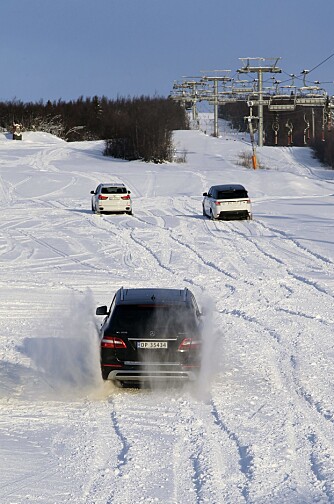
(146, 433)
(61, 253)
(319, 466)
(193, 445)
(286, 365)
(246, 458)
(125, 445)
(295, 244)
(198, 431)
(103, 447)
(136, 252)
(293, 248)
(247, 249)
(286, 371)
(300, 166)
(241, 247)
(167, 241)
(183, 244)
(156, 258)
(44, 157)
(106, 478)
(323, 412)
(170, 423)
(273, 448)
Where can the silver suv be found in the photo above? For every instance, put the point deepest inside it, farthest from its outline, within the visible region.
(227, 202)
(113, 198)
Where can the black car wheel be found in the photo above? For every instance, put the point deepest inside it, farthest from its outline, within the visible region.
(105, 374)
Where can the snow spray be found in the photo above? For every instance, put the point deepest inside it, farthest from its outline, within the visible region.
(211, 355)
(65, 350)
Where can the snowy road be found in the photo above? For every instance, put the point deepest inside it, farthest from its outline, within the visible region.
(259, 426)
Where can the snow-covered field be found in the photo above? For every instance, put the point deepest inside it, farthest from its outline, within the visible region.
(259, 425)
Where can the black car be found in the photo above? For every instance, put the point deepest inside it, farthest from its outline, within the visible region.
(150, 334)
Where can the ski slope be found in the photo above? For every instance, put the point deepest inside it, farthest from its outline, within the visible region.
(258, 427)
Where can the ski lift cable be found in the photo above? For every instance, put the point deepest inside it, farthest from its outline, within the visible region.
(312, 69)
(298, 78)
(322, 62)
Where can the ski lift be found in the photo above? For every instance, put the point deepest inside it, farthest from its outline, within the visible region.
(289, 126)
(282, 102)
(313, 92)
(312, 96)
(275, 127)
(306, 130)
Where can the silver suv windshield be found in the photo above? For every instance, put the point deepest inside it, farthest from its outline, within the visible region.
(231, 194)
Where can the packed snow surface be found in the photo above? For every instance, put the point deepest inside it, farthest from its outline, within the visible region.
(258, 427)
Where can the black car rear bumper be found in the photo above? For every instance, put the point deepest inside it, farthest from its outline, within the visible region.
(145, 373)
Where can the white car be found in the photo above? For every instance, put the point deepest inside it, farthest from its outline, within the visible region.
(113, 198)
(227, 202)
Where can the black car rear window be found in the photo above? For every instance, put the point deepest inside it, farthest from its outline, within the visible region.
(232, 194)
(139, 318)
(113, 190)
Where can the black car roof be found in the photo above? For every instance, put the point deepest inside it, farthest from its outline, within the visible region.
(152, 295)
(229, 187)
(111, 184)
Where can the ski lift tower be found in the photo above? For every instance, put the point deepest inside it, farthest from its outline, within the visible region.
(215, 79)
(260, 66)
(194, 95)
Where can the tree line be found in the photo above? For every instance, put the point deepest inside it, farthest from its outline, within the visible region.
(132, 128)
(142, 127)
(303, 126)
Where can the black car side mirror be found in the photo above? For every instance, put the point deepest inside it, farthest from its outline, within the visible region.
(92, 192)
(101, 310)
(205, 194)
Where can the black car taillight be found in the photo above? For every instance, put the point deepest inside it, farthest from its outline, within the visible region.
(112, 342)
(189, 344)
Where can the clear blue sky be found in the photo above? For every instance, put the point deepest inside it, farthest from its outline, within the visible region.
(63, 49)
